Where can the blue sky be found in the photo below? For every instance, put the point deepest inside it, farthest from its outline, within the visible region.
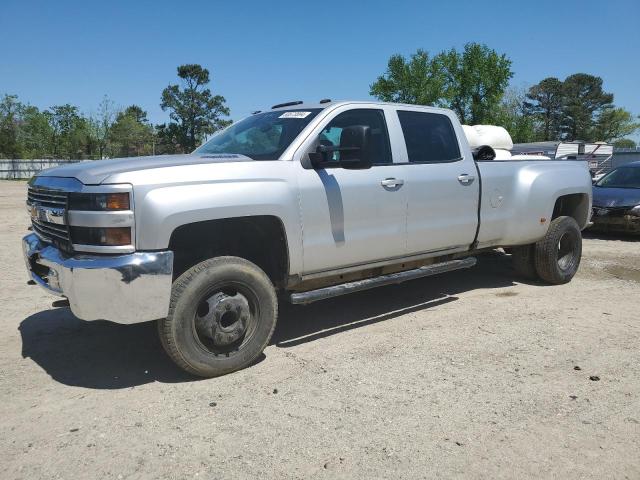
(261, 53)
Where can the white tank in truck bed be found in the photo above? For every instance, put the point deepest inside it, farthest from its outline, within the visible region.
(497, 138)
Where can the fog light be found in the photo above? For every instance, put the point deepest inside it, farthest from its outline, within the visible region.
(116, 236)
(112, 237)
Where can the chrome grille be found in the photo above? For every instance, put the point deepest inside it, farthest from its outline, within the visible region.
(49, 229)
(47, 197)
(55, 233)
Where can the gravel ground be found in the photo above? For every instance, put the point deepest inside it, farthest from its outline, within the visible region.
(471, 374)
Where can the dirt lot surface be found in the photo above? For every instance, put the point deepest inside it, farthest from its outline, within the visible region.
(471, 374)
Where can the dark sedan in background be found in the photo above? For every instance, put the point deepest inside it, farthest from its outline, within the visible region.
(616, 200)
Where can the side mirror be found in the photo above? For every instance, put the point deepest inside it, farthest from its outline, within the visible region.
(354, 150)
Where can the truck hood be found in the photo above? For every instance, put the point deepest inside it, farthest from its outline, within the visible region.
(94, 172)
(616, 197)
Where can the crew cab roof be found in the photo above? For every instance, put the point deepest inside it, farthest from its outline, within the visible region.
(333, 103)
(302, 106)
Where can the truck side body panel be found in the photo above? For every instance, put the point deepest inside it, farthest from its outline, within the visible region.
(349, 217)
(442, 215)
(518, 198)
(166, 198)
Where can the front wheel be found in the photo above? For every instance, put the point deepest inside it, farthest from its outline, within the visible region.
(557, 255)
(221, 317)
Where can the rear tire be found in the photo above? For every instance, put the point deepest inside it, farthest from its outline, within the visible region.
(558, 254)
(221, 317)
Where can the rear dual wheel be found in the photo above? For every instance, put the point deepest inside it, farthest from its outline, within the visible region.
(221, 317)
(556, 257)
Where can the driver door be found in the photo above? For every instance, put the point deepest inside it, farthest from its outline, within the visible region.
(352, 217)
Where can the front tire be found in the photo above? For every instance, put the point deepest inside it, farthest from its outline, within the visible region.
(221, 317)
(558, 254)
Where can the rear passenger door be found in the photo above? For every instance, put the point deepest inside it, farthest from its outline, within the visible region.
(442, 185)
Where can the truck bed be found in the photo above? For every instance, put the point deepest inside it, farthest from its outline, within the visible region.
(518, 197)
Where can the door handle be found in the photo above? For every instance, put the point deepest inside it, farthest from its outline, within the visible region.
(466, 179)
(392, 182)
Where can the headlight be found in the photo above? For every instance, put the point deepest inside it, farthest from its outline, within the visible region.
(635, 211)
(99, 201)
(101, 222)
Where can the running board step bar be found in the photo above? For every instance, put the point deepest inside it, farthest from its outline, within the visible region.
(389, 279)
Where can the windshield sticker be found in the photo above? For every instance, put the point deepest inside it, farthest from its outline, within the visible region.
(294, 115)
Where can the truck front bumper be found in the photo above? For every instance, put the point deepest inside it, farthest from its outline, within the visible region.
(122, 288)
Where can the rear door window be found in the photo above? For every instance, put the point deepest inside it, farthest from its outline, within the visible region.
(429, 137)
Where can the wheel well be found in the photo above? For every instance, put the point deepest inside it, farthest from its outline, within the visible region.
(259, 239)
(575, 205)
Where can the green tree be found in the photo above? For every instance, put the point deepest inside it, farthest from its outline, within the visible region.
(418, 80)
(11, 111)
(35, 134)
(167, 137)
(137, 113)
(614, 124)
(131, 133)
(70, 132)
(624, 143)
(100, 125)
(476, 79)
(545, 101)
(583, 101)
(512, 113)
(194, 110)
(470, 82)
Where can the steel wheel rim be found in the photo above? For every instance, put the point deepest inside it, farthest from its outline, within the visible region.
(566, 251)
(233, 343)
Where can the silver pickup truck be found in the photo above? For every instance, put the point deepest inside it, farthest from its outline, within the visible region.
(301, 202)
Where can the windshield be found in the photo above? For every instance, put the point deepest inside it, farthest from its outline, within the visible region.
(623, 177)
(263, 136)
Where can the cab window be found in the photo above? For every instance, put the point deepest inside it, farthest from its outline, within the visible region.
(429, 137)
(264, 136)
(374, 119)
